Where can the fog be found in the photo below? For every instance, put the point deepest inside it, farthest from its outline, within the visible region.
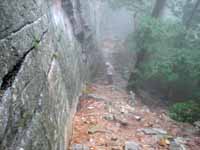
(115, 23)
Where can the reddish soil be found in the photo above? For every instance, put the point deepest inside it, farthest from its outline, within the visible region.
(95, 126)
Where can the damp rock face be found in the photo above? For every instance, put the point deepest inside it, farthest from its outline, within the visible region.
(43, 63)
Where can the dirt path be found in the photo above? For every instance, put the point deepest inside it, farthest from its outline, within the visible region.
(107, 121)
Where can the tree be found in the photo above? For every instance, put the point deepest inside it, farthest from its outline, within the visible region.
(192, 14)
(158, 8)
(141, 54)
(143, 6)
(156, 13)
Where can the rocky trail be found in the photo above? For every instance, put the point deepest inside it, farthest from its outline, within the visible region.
(110, 119)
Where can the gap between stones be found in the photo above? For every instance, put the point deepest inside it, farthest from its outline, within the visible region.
(9, 78)
(21, 28)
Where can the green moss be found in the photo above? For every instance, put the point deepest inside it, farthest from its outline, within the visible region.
(36, 41)
(23, 121)
(55, 55)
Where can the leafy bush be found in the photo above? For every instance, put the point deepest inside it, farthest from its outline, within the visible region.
(171, 54)
(185, 112)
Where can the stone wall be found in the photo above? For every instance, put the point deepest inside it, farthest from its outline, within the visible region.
(43, 61)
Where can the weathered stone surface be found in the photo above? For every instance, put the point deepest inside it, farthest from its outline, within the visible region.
(17, 45)
(18, 15)
(178, 144)
(79, 147)
(197, 125)
(4, 112)
(153, 131)
(97, 97)
(42, 72)
(109, 117)
(130, 145)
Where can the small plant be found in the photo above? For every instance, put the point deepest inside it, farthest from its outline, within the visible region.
(36, 42)
(55, 55)
(185, 111)
(87, 90)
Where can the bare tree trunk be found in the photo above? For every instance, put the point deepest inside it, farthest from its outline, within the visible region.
(142, 54)
(188, 23)
(140, 58)
(157, 12)
(135, 21)
(158, 8)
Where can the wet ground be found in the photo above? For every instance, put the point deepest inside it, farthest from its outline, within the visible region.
(108, 118)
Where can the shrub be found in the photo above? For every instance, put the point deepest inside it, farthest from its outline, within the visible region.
(185, 111)
(171, 55)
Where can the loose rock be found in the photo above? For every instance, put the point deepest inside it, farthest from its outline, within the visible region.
(138, 118)
(132, 99)
(197, 125)
(123, 121)
(130, 145)
(178, 144)
(79, 147)
(109, 117)
(97, 97)
(153, 131)
(114, 138)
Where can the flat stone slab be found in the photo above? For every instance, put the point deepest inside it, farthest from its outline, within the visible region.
(97, 97)
(153, 131)
(131, 145)
(79, 147)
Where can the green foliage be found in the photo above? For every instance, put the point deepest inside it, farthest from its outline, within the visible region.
(171, 53)
(143, 6)
(55, 55)
(176, 7)
(187, 11)
(185, 112)
(125, 3)
(36, 41)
